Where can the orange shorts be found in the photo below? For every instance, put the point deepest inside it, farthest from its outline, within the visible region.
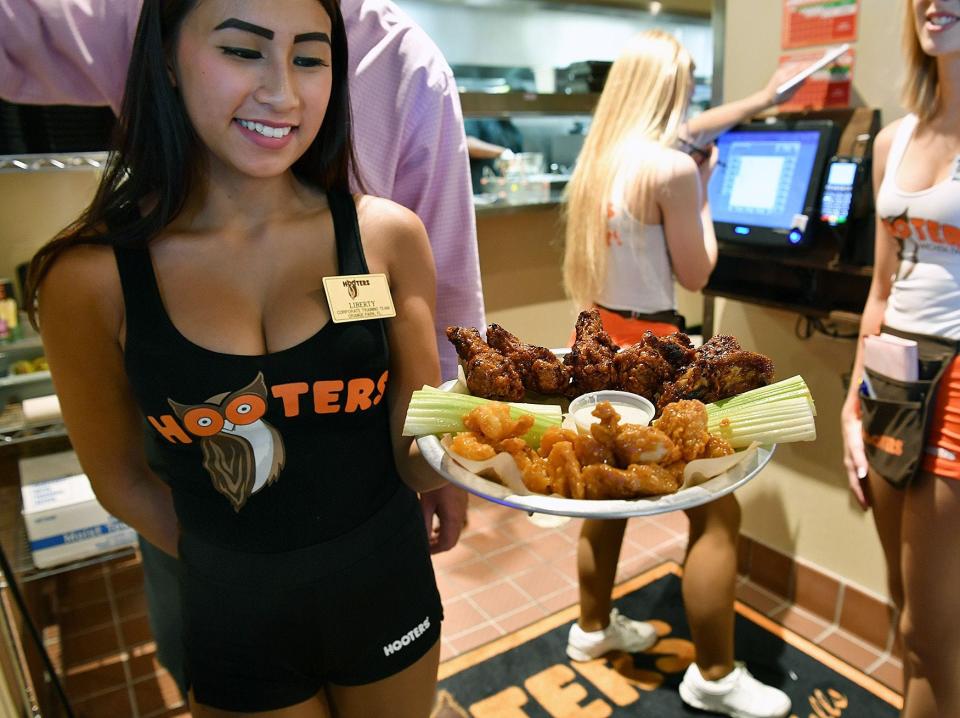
(627, 332)
(943, 439)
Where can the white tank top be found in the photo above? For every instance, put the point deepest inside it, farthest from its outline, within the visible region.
(639, 276)
(926, 291)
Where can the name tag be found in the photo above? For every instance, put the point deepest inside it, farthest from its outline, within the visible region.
(357, 297)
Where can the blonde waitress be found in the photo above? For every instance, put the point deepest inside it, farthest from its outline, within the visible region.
(637, 219)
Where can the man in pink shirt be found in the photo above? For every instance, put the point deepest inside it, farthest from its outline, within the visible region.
(411, 148)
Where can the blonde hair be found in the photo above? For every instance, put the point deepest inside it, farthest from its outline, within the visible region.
(921, 89)
(644, 102)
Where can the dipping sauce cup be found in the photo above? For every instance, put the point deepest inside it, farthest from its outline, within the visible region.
(632, 408)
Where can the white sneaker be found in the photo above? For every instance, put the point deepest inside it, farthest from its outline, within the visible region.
(737, 694)
(622, 634)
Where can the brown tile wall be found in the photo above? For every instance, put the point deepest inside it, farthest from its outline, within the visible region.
(869, 618)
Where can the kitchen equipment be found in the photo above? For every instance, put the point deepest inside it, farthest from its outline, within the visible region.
(585, 76)
(521, 164)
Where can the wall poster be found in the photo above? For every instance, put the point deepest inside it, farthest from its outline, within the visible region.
(830, 87)
(818, 22)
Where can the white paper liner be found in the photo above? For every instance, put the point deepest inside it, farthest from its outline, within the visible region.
(501, 468)
(699, 470)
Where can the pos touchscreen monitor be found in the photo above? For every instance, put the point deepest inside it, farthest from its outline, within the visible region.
(766, 183)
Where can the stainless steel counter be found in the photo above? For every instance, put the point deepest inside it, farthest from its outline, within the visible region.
(484, 208)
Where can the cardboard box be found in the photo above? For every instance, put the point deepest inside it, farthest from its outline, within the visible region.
(64, 520)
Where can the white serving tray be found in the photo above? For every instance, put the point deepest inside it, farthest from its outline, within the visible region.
(709, 490)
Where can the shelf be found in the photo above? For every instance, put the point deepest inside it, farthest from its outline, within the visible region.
(19, 439)
(500, 208)
(797, 307)
(22, 345)
(505, 104)
(484, 209)
(13, 380)
(53, 162)
(840, 300)
(15, 542)
(822, 257)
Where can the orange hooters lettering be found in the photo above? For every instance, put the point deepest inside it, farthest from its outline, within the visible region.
(887, 444)
(325, 396)
(919, 224)
(290, 395)
(328, 396)
(923, 230)
(381, 388)
(358, 395)
(170, 430)
(898, 227)
(951, 235)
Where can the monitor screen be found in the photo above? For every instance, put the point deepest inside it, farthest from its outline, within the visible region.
(765, 184)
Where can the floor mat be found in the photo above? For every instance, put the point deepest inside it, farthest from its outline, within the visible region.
(526, 674)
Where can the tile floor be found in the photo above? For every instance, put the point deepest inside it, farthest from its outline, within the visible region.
(505, 573)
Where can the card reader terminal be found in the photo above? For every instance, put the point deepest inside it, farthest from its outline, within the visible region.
(836, 203)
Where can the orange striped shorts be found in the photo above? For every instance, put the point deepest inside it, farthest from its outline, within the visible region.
(943, 438)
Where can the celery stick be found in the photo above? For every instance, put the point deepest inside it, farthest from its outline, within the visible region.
(777, 413)
(432, 411)
(551, 409)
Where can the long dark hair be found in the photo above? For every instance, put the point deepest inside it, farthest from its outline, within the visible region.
(156, 152)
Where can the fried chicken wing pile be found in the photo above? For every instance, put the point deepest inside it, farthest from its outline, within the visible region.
(662, 369)
(613, 461)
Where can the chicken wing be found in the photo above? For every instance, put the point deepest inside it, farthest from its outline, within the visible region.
(566, 477)
(676, 349)
(602, 481)
(643, 445)
(494, 423)
(720, 369)
(591, 358)
(539, 368)
(642, 370)
(489, 373)
(685, 423)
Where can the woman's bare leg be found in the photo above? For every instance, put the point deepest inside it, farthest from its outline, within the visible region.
(709, 583)
(931, 577)
(312, 708)
(407, 694)
(598, 552)
(886, 503)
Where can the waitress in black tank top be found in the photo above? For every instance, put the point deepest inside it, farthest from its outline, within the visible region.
(234, 339)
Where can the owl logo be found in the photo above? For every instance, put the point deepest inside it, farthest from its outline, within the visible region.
(241, 452)
(351, 285)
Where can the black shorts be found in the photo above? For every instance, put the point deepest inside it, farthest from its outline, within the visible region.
(265, 631)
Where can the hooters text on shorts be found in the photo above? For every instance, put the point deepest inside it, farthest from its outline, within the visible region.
(407, 638)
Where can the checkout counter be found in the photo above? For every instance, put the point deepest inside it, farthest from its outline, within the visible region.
(792, 205)
(793, 211)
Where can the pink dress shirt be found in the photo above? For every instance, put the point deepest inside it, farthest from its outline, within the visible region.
(408, 126)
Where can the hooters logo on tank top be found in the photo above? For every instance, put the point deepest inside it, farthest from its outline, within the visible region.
(242, 452)
(930, 234)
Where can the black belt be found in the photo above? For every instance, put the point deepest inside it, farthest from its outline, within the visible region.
(667, 316)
